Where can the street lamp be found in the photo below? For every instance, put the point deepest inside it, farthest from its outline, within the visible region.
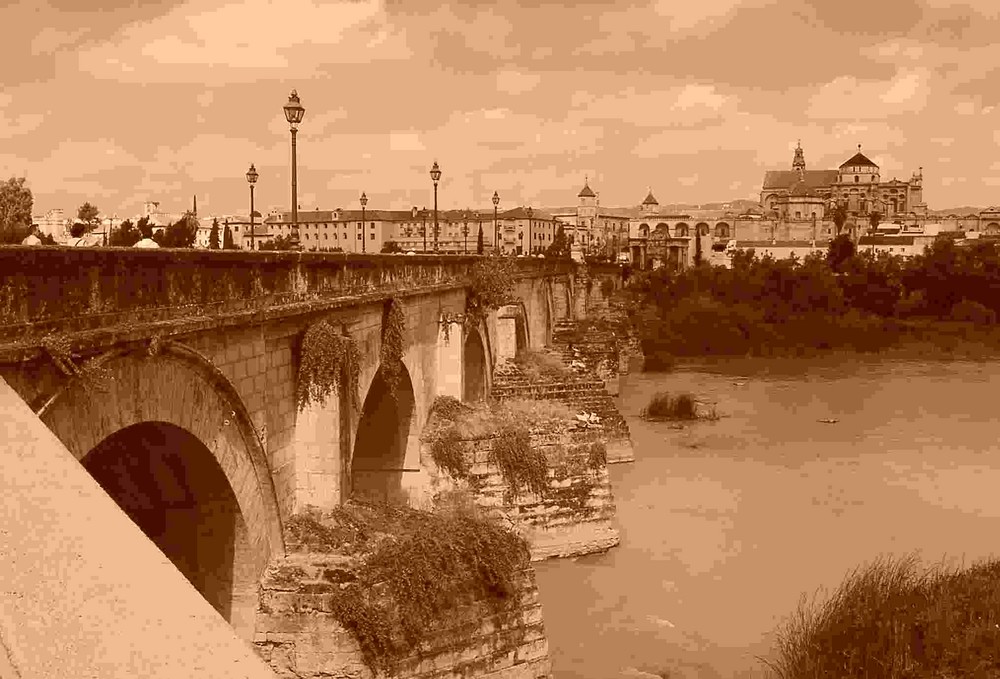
(364, 202)
(496, 224)
(435, 175)
(293, 114)
(465, 233)
(251, 179)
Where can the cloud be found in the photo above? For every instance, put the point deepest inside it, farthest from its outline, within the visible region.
(515, 82)
(850, 98)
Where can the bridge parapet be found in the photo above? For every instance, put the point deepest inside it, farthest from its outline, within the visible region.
(46, 289)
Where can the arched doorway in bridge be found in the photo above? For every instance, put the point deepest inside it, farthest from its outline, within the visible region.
(473, 368)
(377, 464)
(173, 489)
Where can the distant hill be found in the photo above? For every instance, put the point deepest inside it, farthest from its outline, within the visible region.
(966, 210)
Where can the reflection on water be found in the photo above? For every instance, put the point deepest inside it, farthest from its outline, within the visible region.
(726, 524)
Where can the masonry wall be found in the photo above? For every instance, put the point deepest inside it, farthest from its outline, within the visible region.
(577, 514)
(299, 638)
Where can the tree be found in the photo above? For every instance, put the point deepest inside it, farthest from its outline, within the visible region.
(841, 250)
(181, 234)
(15, 210)
(697, 246)
(839, 217)
(227, 239)
(559, 247)
(213, 236)
(77, 230)
(390, 247)
(126, 235)
(145, 228)
(479, 240)
(277, 243)
(873, 219)
(87, 213)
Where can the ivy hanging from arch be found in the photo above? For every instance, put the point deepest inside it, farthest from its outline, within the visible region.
(393, 339)
(328, 358)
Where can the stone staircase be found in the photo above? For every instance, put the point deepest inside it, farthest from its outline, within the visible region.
(580, 392)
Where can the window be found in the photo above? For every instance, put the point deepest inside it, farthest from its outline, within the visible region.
(326, 236)
(359, 236)
(856, 179)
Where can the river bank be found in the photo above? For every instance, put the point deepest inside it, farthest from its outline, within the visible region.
(726, 524)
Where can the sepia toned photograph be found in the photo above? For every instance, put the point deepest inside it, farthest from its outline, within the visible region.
(385, 339)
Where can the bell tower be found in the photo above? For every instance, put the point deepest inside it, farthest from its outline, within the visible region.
(799, 161)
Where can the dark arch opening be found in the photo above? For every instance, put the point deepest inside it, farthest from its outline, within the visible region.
(383, 432)
(474, 368)
(171, 486)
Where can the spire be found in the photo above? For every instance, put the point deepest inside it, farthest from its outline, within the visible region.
(799, 161)
(586, 191)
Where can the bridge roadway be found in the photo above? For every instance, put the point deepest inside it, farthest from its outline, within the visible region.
(171, 374)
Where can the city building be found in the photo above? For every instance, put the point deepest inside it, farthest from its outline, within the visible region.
(593, 230)
(527, 231)
(803, 195)
(54, 223)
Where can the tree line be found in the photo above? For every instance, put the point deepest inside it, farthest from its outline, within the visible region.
(838, 298)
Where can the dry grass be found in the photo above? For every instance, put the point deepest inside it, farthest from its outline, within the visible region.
(683, 407)
(893, 619)
(541, 365)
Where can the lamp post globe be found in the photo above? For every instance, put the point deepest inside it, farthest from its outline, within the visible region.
(435, 176)
(364, 202)
(293, 114)
(251, 179)
(496, 224)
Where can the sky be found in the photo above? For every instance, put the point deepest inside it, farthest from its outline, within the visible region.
(118, 102)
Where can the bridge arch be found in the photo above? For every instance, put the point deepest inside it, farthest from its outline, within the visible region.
(701, 229)
(185, 465)
(384, 433)
(475, 377)
(722, 230)
(681, 230)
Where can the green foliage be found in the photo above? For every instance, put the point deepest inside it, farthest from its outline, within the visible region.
(973, 312)
(77, 230)
(213, 236)
(892, 619)
(522, 467)
(126, 235)
(874, 219)
(227, 239)
(839, 217)
(840, 251)
(93, 376)
(491, 286)
(448, 407)
(145, 228)
(393, 345)
(279, 243)
(87, 213)
(479, 240)
(181, 234)
(541, 365)
(329, 361)
(411, 584)
(559, 248)
(664, 407)
(391, 247)
(16, 203)
(448, 452)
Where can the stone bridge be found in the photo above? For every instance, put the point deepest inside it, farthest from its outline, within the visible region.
(171, 377)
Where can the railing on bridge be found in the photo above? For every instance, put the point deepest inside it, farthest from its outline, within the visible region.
(46, 288)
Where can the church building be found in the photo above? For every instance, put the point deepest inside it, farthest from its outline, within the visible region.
(801, 195)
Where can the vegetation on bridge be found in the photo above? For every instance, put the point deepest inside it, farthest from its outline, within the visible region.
(329, 362)
(491, 286)
(393, 344)
(417, 572)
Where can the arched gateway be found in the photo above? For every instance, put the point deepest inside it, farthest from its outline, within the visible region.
(169, 439)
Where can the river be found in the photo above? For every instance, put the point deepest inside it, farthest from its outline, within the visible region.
(725, 524)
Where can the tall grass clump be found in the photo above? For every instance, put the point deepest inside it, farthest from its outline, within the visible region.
(663, 406)
(892, 619)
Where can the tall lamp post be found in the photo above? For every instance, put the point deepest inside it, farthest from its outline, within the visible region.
(364, 202)
(251, 179)
(293, 114)
(496, 224)
(435, 175)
